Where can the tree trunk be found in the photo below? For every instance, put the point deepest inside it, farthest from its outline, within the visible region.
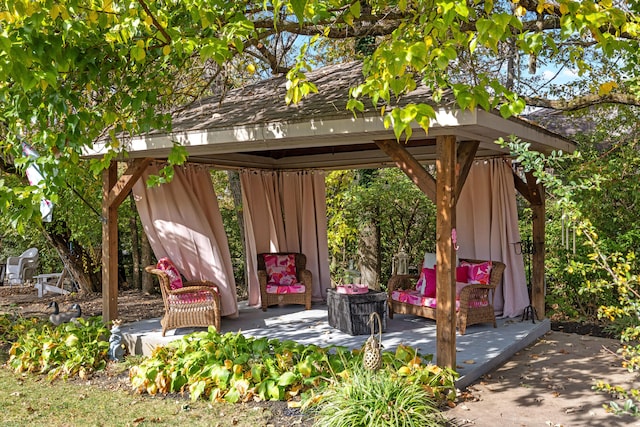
(84, 271)
(136, 273)
(145, 259)
(369, 255)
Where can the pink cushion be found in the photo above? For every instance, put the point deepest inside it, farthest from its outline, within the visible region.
(430, 278)
(421, 284)
(281, 269)
(296, 288)
(478, 273)
(462, 273)
(175, 280)
(413, 297)
(426, 282)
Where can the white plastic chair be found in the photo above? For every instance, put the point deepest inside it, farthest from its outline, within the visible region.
(22, 268)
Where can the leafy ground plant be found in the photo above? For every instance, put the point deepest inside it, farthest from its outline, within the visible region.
(380, 398)
(76, 348)
(235, 368)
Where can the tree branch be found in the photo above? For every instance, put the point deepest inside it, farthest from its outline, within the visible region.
(155, 22)
(584, 101)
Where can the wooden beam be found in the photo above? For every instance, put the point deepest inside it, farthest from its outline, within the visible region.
(410, 166)
(109, 246)
(535, 189)
(522, 187)
(445, 251)
(121, 189)
(466, 153)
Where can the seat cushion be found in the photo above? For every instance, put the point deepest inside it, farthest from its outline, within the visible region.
(281, 269)
(296, 288)
(166, 265)
(413, 297)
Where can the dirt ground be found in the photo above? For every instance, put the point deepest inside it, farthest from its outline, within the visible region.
(547, 384)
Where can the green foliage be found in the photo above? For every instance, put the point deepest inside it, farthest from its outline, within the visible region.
(404, 214)
(90, 74)
(13, 326)
(66, 350)
(235, 368)
(368, 398)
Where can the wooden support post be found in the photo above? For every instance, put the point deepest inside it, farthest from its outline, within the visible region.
(109, 246)
(534, 193)
(445, 252)
(114, 191)
(538, 218)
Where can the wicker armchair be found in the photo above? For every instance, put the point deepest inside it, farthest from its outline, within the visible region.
(476, 301)
(302, 274)
(196, 304)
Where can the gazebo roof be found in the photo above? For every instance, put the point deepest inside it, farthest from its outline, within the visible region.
(253, 127)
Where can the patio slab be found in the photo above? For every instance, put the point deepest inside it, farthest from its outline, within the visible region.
(482, 349)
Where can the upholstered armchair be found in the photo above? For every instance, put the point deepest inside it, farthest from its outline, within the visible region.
(284, 279)
(186, 303)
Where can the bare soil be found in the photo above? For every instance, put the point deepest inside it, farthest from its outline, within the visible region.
(547, 384)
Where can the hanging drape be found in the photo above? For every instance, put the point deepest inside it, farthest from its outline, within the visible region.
(183, 222)
(487, 228)
(286, 212)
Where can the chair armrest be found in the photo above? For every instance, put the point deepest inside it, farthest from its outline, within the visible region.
(401, 281)
(194, 289)
(304, 276)
(199, 283)
(475, 292)
(262, 278)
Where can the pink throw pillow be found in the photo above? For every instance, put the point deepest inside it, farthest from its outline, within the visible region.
(479, 273)
(281, 269)
(175, 280)
(426, 284)
(462, 274)
(430, 289)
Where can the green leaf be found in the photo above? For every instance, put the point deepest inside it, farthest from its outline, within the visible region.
(287, 378)
(298, 7)
(355, 9)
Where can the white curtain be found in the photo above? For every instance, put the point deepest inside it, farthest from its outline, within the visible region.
(286, 212)
(487, 228)
(183, 222)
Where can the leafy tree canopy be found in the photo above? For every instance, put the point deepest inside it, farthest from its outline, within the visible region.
(75, 71)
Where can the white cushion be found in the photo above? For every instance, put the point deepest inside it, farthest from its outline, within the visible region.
(430, 260)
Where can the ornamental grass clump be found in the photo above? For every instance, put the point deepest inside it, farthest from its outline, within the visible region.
(379, 398)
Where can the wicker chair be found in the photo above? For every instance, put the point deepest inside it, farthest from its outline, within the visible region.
(476, 301)
(302, 274)
(196, 304)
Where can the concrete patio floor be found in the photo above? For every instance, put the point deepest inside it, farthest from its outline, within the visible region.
(482, 349)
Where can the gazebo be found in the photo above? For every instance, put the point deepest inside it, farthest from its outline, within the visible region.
(252, 127)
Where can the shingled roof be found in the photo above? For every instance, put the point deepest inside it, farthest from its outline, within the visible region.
(252, 126)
